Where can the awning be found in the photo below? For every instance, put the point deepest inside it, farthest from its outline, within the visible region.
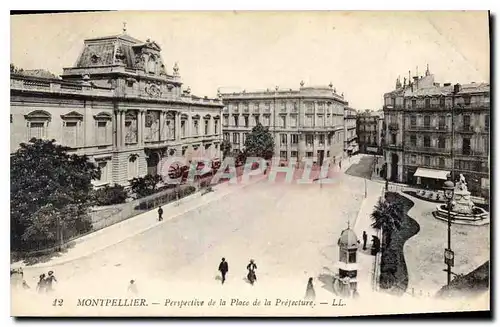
(431, 173)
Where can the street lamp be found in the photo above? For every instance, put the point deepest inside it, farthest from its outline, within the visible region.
(449, 190)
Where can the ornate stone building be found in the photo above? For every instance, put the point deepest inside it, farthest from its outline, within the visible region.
(370, 131)
(351, 138)
(432, 130)
(119, 106)
(308, 122)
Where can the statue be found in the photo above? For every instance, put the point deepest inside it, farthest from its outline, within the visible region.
(462, 184)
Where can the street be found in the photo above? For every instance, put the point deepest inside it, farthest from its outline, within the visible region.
(290, 230)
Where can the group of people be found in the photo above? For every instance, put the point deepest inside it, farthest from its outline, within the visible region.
(251, 267)
(45, 282)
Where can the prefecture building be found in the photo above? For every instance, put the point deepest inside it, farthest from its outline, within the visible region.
(350, 136)
(308, 122)
(120, 106)
(370, 131)
(433, 130)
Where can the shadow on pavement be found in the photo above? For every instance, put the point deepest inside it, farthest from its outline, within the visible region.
(33, 259)
(361, 169)
(327, 281)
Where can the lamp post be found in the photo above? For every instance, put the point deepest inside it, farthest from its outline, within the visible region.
(449, 190)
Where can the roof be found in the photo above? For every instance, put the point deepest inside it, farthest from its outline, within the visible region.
(348, 239)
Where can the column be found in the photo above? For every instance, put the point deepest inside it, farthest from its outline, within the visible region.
(122, 129)
(140, 127)
(177, 120)
(162, 128)
(116, 129)
(302, 147)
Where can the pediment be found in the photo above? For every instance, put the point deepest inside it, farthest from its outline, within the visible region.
(72, 115)
(38, 114)
(103, 116)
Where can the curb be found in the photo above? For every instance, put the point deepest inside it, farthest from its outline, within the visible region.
(139, 232)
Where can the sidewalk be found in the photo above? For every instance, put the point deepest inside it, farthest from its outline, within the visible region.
(366, 261)
(119, 232)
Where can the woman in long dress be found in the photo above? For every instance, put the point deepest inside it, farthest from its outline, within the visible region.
(310, 293)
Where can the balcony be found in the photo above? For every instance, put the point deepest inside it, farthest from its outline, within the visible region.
(394, 146)
(469, 153)
(428, 128)
(235, 110)
(393, 126)
(415, 148)
(465, 129)
(391, 107)
(246, 110)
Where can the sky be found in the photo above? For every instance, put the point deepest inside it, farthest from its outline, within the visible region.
(360, 53)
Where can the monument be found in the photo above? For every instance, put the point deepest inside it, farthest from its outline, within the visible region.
(462, 211)
(346, 282)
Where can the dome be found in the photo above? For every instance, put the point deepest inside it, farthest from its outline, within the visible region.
(348, 239)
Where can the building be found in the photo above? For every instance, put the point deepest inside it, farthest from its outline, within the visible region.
(308, 122)
(351, 138)
(433, 130)
(370, 131)
(118, 105)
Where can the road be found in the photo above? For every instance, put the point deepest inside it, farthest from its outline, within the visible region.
(291, 230)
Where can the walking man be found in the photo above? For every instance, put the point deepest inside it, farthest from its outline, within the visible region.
(160, 214)
(223, 268)
(48, 282)
(132, 287)
(340, 164)
(365, 237)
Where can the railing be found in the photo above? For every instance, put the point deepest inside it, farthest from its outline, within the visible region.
(465, 129)
(246, 110)
(477, 153)
(428, 128)
(416, 148)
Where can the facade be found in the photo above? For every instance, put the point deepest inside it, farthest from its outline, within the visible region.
(370, 131)
(308, 122)
(350, 135)
(119, 106)
(432, 130)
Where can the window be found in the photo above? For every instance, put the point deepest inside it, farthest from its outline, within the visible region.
(256, 117)
(216, 126)
(414, 104)
(283, 155)
(466, 146)
(293, 121)
(441, 162)
(235, 117)
(441, 142)
(487, 145)
(184, 149)
(196, 125)
(283, 121)
(183, 128)
(294, 154)
(295, 138)
(413, 159)
(321, 139)
(36, 130)
(427, 141)
(104, 167)
(466, 122)
(245, 118)
(132, 167)
(487, 122)
(309, 139)
(413, 121)
(206, 126)
(236, 138)
(226, 136)
(427, 103)
(226, 120)
(309, 154)
(309, 121)
(427, 121)
(442, 122)
(283, 139)
(467, 100)
(102, 133)
(70, 133)
(427, 160)
(442, 102)
(245, 136)
(393, 138)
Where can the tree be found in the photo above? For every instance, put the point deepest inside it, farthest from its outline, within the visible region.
(110, 195)
(226, 148)
(144, 186)
(259, 143)
(15, 70)
(388, 215)
(51, 192)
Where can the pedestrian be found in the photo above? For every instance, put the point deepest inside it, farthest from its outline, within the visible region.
(365, 237)
(50, 279)
(160, 214)
(223, 268)
(340, 164)
(310, 293)
(40, 287)
(132, 287)
(25, 285)
(387, 185)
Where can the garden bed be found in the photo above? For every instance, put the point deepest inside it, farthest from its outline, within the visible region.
(433, 196)
(477, 281)
(394, 273)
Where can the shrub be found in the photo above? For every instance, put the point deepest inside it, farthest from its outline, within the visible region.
(110, 195)
(144, 186)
